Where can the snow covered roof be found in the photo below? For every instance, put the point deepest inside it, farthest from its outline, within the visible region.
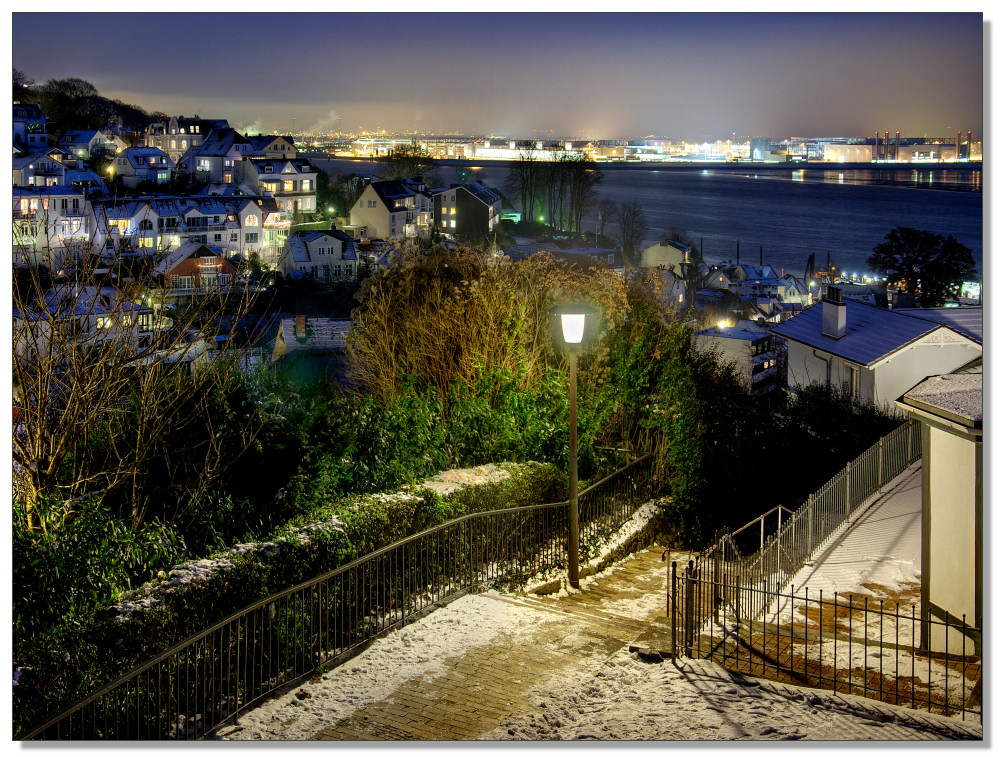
(956, 397)
(758, 272)
(172, 258)
(322, 335)
(735, 332)
(139, 157)
(480, 192)
(872, 332)
(966, 320)
(74, 136)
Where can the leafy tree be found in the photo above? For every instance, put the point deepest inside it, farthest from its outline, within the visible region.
(930, 265)
(632, 229)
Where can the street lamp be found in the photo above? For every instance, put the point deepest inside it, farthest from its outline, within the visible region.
(573, 323)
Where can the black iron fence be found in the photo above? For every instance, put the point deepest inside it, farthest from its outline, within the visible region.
(734, 608)
(801, 534)
(272, 645)
(850, 644)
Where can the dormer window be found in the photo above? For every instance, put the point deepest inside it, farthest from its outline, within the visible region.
(268, 169)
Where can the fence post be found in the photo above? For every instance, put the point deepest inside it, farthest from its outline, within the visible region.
(879, 457)
(689, 609)
(847, 487)
(716, 583)
(809, 541)
(673, 611)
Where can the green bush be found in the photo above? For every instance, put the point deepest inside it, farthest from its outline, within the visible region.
(69, 660)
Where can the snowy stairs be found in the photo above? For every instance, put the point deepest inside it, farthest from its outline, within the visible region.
(650, 639)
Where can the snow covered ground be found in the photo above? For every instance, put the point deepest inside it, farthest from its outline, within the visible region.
(628, 699)
(624, 697)
(619, 698)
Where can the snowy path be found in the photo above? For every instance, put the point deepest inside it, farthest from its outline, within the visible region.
(504, 667)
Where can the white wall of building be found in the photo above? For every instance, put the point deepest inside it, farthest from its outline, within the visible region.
(952, 484)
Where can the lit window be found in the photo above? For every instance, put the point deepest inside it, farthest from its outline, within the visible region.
(453, 224)
(305, 185)
(251, 221)
(289, 186)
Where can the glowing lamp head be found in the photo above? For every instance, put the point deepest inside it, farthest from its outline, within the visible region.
(573, 321)
(572, 327)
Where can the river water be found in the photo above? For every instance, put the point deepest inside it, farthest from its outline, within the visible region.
(786, 213)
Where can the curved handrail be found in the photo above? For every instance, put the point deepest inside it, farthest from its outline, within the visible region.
(325, 577)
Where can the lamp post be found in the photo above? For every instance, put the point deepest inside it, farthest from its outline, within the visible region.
(573, 321)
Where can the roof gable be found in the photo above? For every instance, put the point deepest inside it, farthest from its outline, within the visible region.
(872, 333)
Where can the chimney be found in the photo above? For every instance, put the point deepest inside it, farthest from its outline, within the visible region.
(834, 313)
(300, 327)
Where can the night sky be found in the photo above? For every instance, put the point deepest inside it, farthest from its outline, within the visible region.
(580, 75)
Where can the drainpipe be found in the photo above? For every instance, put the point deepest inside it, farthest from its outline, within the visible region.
(828, 367)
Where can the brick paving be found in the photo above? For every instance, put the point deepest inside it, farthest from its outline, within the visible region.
(482, 688)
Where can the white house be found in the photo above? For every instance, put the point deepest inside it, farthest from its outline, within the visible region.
(236, 226)
(87, 144)
(138, 164)
(950, 407)
(291, 181)
(178, 134)
(326, 256)
(214, 160)
(395, 209)
(878, 354)
(48, 221)
(753, 352)
(38, 170)
(665, 254)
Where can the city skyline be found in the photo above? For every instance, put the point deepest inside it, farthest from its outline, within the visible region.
(571, 75)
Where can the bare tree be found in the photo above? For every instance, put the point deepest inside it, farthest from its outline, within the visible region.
(106, 384)
(408, 162)
(584, 178)
(632, 229)
(523, 181)
(607, 212)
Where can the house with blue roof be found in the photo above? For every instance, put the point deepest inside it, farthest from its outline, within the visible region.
(92, 143)
(30, 127)
(325, 256)
(38, 170)
(877, 354)
(272, 146)
(138, 164)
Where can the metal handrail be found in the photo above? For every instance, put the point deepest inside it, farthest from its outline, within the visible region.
(783, 553)
(480, 568)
